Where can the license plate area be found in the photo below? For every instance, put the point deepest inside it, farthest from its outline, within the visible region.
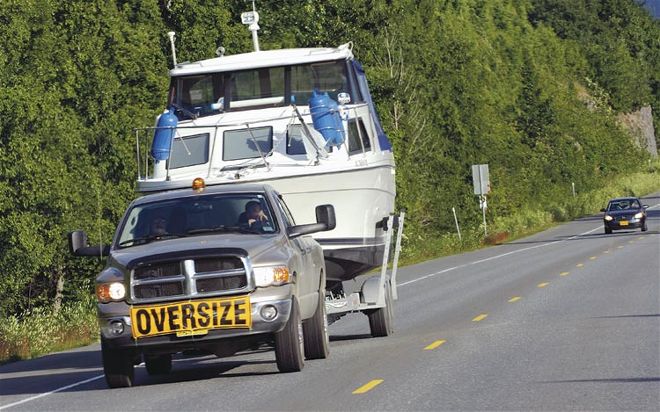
(191, 318)
(623, 223)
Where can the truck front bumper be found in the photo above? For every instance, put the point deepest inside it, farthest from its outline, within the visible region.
(115, 324)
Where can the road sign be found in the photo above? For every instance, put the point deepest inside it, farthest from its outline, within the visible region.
(480, 179)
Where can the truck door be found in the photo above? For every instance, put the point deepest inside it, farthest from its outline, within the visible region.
(307, 281)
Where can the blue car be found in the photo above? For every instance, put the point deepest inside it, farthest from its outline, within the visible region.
(625, 213)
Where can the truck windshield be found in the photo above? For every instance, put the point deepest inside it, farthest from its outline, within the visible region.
(195, 216)
(211, 93)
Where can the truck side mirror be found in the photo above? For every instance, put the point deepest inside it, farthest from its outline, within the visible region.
(326, 214)
(78, 245)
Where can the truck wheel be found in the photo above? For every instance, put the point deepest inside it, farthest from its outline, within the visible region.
(289, 343)
(158, 364)
(117, 366)
(315, 331)
(380, 320)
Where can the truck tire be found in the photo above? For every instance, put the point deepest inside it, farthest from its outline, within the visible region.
(158, 364)
(289, 343)
(117, 366)
(315, 331)
(380, 320)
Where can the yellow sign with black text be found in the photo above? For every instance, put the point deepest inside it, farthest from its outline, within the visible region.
(195, 317)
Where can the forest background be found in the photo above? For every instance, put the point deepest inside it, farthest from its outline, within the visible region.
(534, 88)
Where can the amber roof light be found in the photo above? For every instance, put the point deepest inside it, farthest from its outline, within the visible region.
(198, 184)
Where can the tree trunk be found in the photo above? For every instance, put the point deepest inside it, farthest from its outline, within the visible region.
(59, 290)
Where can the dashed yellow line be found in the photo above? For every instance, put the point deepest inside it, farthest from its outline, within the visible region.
(435, 344)
(564, 273)
(542, 285)
(641, 237)
(631, 241)
(606, 251)
(579, 265)
(620, 247)
(367, 386)
(480, 317)
(514, 299)
(592, 258)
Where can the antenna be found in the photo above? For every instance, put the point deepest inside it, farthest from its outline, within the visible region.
(171, 36)
(251, 19)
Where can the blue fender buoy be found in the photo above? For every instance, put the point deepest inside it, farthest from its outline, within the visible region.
(163, 135)
(326, 118)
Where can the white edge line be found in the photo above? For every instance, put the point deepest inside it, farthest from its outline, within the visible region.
(41, 395)
(502, 255)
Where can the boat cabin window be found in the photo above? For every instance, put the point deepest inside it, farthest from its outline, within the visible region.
(189, 151)
(356, 133)
(327, 77)
(247, 143)
(295, 144)
(257, 88)
(213, 93)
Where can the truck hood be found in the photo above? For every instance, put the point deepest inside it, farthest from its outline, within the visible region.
(253, 245)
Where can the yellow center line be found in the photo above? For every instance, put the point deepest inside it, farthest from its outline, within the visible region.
(592, 258)
(367, 386)
(620, 247)
(564, 273)
(514, 299)
(542, 285)
(435, 344)
(641, 237)
(579, 265)
(631, 241)
(606, 251)
(480, 317)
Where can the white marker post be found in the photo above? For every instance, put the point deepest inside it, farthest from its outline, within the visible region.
(458, 229)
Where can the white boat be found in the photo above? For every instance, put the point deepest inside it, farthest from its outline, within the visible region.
(246, 118)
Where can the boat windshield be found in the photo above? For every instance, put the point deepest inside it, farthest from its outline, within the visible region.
(194, 216)
(212, 93)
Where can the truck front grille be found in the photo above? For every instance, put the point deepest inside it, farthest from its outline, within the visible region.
(190, 278)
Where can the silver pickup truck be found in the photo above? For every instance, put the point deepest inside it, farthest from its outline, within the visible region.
(213, 269)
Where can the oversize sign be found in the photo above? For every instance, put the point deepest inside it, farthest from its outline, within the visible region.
(191, 317)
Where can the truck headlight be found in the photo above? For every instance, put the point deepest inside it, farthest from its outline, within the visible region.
(107, 292)
(639, 215)
(271, 276)
(608, 218)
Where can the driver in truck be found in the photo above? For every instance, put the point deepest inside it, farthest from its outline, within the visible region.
(253, 217)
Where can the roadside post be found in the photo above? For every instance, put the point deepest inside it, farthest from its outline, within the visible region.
(573, 188)
(458, 229)
(481, 182)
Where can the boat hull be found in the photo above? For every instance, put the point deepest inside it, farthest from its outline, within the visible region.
(362, 197)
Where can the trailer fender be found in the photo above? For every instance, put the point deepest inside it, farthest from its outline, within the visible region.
(370, 290)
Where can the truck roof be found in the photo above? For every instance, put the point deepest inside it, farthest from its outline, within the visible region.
(214, 189)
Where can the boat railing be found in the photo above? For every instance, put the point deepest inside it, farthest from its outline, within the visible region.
(144, 139)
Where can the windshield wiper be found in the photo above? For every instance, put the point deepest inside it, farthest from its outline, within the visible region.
(220, 229)
(149, 239)
(184, 111)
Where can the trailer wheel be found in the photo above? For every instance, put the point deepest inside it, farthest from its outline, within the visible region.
(158, 364)
(289, 347)
(117, 366)
(380, 320)
(315, 331)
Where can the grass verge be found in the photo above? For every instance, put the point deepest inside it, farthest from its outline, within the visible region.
(42, 331)
(530, 220)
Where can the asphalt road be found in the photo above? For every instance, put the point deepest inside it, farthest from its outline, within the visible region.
(568, 319)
